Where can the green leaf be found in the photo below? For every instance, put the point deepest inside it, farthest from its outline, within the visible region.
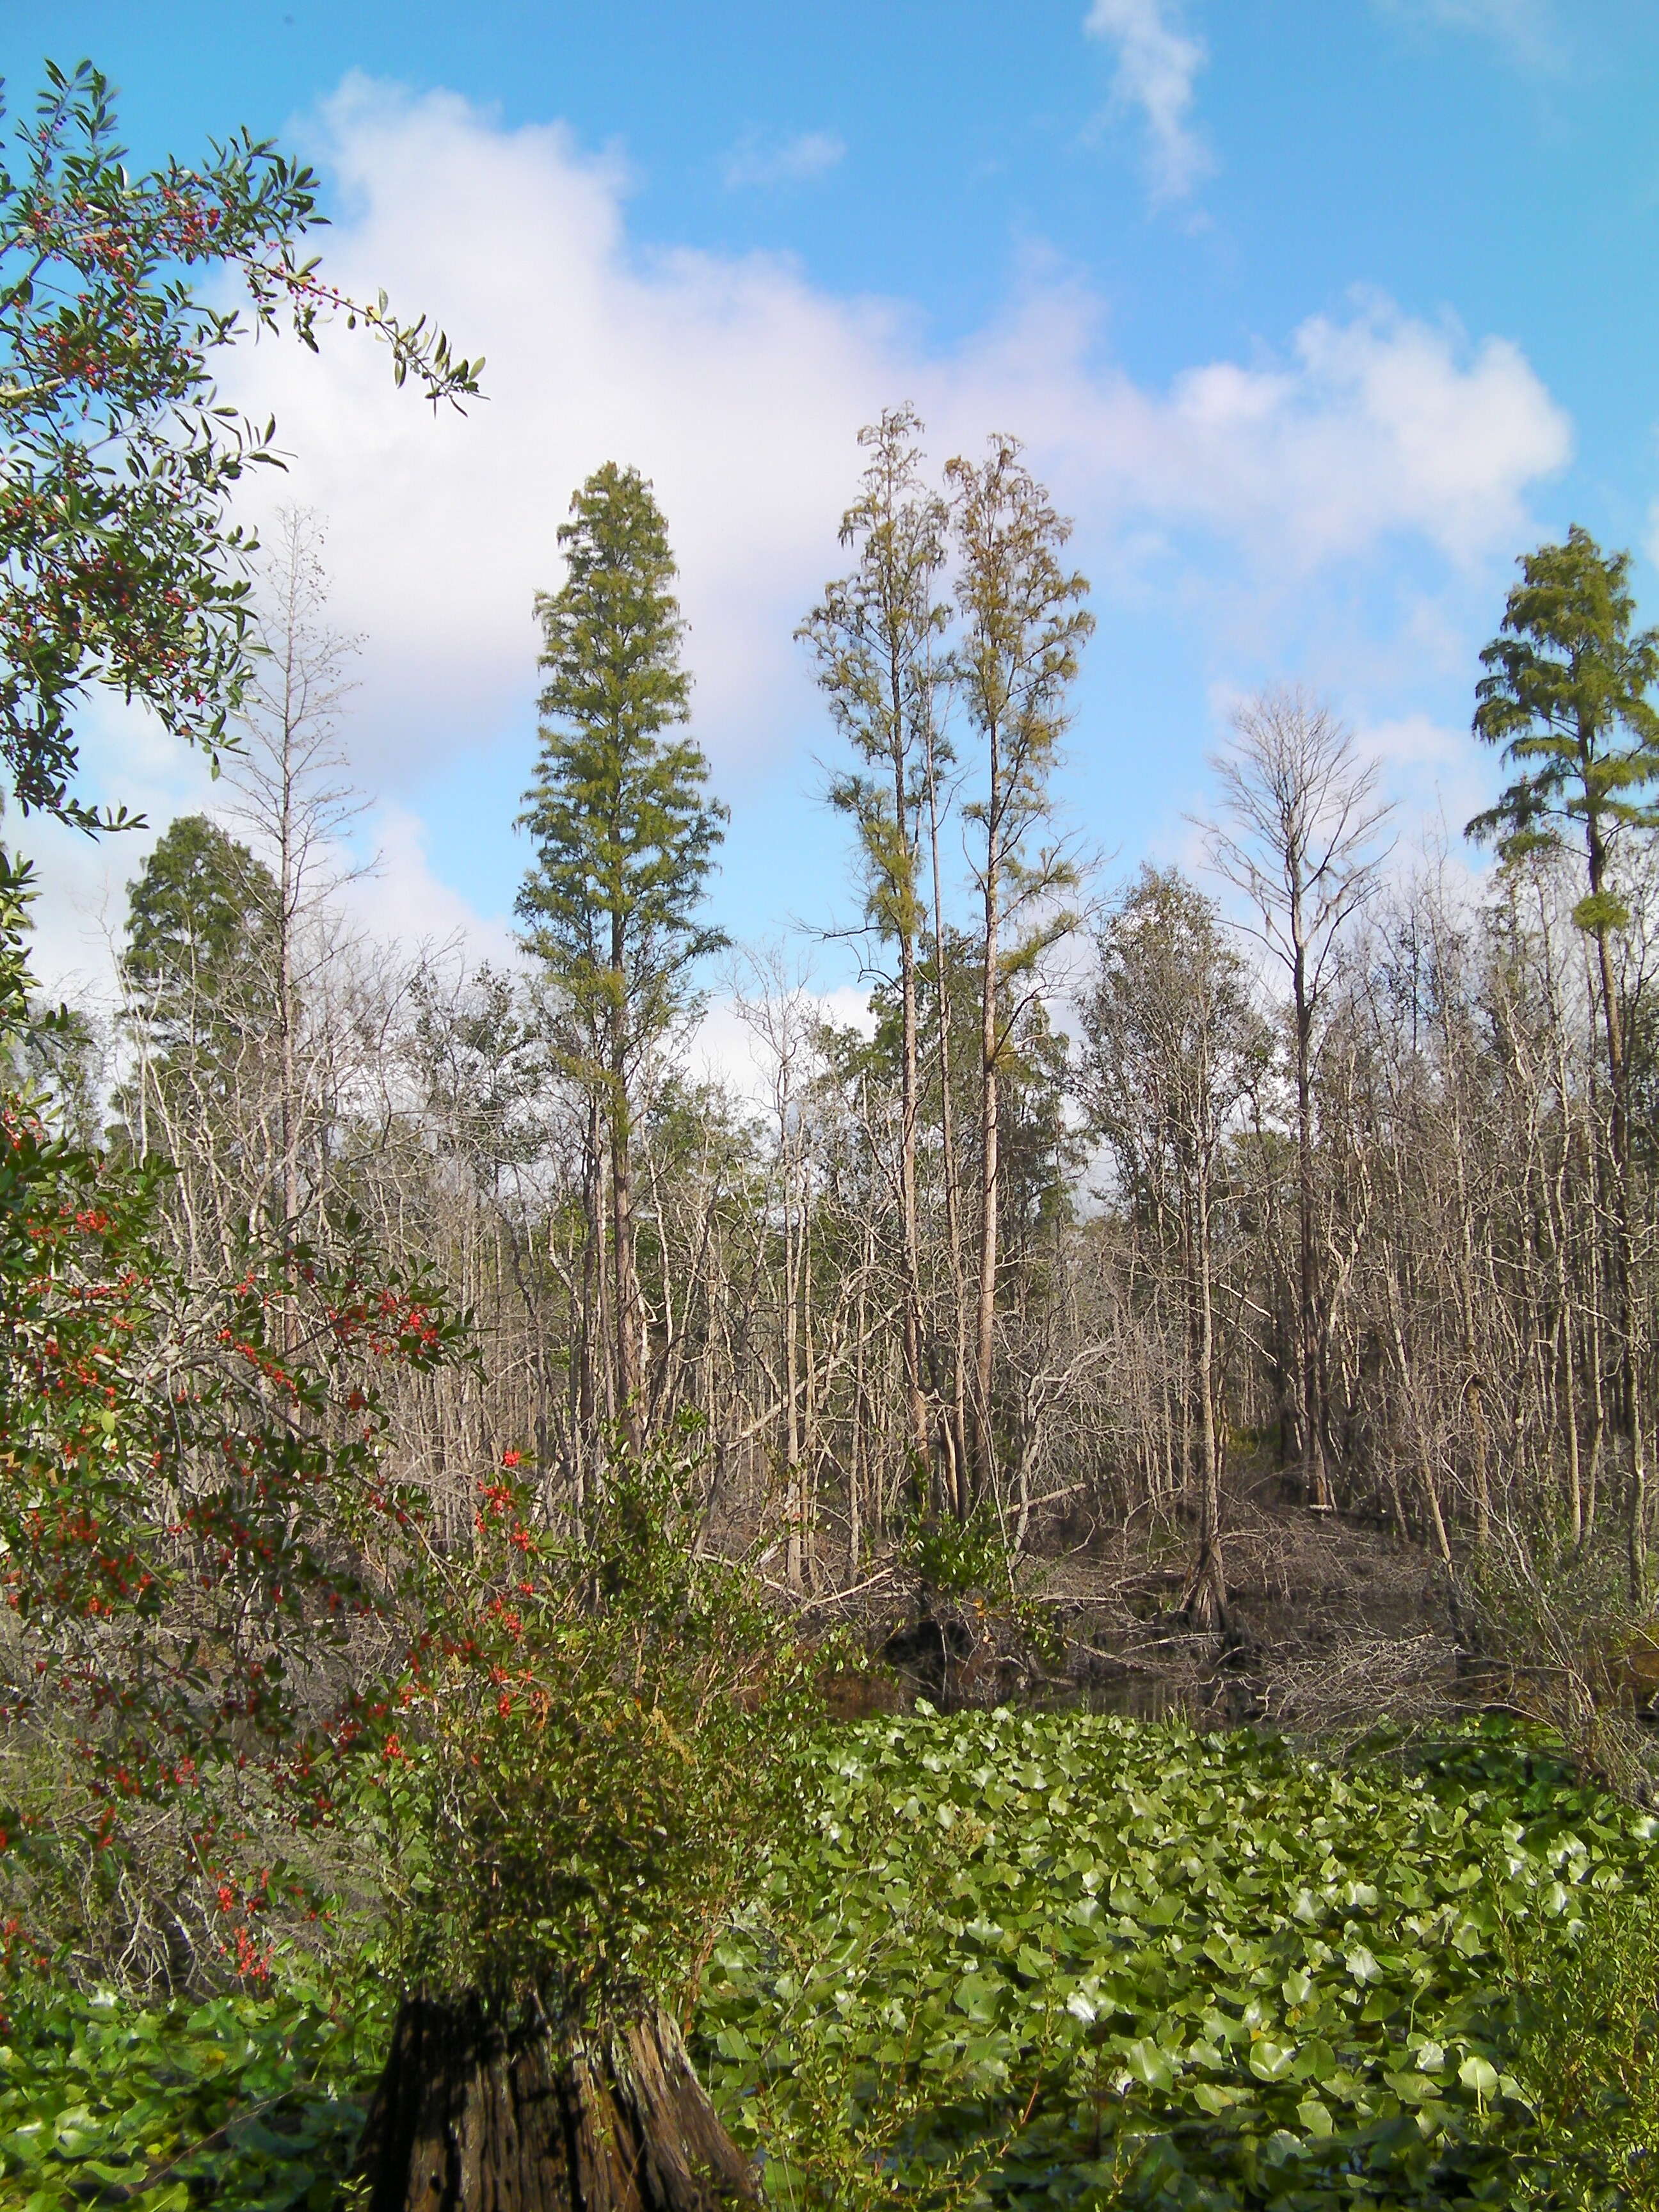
(1144, 2060)
(1479, 2074)
(1270, 2061)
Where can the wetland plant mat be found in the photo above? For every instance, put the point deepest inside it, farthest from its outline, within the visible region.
(1030, 1959)
(1048, 1960)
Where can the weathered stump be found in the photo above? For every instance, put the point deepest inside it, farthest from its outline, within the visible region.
(473, 2115)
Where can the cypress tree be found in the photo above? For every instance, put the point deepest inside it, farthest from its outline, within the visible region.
(1566, 696)
(624, 833)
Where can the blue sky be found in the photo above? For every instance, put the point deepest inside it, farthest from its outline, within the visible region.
(1313, 312)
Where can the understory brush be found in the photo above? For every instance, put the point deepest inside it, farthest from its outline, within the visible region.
(1550, 1627)
(203, 1892)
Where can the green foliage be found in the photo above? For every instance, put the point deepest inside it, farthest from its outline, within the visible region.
(117, 564)
(575, 1773)
(624, 837)
(181, 1471)
(965, 1567)
(1024, 627)
(1063, 1961)
(873, 640)
(200, 958)
(1036, 1148)
(254, 2102)
(201, 902)
(1566, 696)
(958, 1558)
(1590, 2031)
(193, 1507)
(1024, 622)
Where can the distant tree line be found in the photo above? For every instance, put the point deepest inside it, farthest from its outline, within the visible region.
(1125, 1197)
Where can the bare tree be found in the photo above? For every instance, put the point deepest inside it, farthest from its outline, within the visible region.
(1300, 839)
(293, 793)
(1171, 1045)
(777, 1008)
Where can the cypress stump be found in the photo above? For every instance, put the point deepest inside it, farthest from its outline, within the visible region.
(471, 2115)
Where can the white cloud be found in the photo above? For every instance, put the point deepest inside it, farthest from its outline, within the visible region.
(738, 386)
(759, 159)
(81, 907)
(732, 383)
(1157, 66)
(1377, 426)
(1416, 741)
(1440, 777)
(1529, 31)
(400, 901)
(80, 915)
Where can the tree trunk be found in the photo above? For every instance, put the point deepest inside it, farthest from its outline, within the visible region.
(1624, 1236)
(955, 1424)
(468, 2116)
(909, 1088)
(286, 919)
(1206, 1598)
(989, 1164)
(1314, 1479)
(626, 1285)
(794, 1478)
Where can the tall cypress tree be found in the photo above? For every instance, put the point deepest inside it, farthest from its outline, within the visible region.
(875, 640)
(624, 831)
(1023, 626)
(1566, 695)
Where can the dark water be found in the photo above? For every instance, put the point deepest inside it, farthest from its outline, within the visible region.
(1130, 1696)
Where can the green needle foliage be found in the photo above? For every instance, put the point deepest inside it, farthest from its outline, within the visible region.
(877, 644)
(199, 947)
(198, 900)
(624, 836)
(1566, 696)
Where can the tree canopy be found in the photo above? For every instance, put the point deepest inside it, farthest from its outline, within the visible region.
(201, 917)
(119, 564)
(624, 834)
(1566, 696)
